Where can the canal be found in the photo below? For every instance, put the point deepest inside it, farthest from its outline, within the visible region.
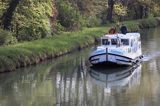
(69, 81)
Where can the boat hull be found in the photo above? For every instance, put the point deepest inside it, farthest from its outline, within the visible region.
(113, 59)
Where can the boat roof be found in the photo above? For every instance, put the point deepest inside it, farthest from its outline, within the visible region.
(125, 36)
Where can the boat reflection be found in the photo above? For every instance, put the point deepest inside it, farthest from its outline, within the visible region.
(116, 78)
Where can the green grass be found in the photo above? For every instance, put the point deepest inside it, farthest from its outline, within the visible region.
(27, 53)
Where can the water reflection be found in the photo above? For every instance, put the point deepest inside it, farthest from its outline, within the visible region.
(116, 79)
(69, 81)
(59, 82)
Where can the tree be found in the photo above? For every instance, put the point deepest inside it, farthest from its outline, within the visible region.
(7, 16)
(110, 10)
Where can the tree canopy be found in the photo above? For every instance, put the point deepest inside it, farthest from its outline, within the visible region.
(34, 19)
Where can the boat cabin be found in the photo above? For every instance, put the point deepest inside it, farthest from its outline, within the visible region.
(121, 49)
(120, 40)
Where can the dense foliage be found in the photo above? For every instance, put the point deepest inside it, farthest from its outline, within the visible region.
(34, 22)
(6, 38)
(35, 19)
(69, 17)
(31, 19)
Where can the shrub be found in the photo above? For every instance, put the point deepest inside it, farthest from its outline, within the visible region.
(33, 19)
(133, 26)
(32, 33)
(69, 17)
(58, 28)
(6, 38)
(93, 21)
(148, 23)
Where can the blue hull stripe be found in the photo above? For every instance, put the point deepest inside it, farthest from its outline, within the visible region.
(109, 54)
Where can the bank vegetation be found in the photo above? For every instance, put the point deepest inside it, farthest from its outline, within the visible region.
(33, 52)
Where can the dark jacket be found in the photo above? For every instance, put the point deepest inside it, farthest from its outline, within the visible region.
(123, 29)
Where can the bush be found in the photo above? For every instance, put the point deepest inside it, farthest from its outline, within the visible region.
(7, 38)
(93, 21)
(133, 26)
(148, 23)
(69, 17)
(58, 28)
(32, 33)
(33, 19)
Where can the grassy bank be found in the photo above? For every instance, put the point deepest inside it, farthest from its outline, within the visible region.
(27, 53)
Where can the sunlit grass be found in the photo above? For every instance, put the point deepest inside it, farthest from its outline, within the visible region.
(26, 53)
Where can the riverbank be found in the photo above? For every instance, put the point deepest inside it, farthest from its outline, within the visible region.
(28, 53)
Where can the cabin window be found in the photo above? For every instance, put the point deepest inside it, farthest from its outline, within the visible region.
(105, 42)
(114, 41)
(125, 41)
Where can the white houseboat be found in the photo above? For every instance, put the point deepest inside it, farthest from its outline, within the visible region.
(121, 49)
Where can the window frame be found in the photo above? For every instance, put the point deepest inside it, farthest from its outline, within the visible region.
(108, 42)
(115, 42)
(126, 42)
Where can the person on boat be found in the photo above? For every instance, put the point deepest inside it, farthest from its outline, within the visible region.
(123, 29)
(112, 31)
(115, 29)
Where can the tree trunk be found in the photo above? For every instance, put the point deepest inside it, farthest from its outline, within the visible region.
(7, 16)
(141, 11)
(136, 13)
(110, 10)
(146, 12)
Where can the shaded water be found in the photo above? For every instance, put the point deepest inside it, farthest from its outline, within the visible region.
(69, 81)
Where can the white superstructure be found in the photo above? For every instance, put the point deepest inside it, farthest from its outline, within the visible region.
(119, 49)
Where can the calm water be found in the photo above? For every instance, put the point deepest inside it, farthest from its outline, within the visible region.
(69, 81)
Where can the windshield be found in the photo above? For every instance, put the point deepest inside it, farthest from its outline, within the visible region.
(125, 41)
(114, 41)
(105, 42)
